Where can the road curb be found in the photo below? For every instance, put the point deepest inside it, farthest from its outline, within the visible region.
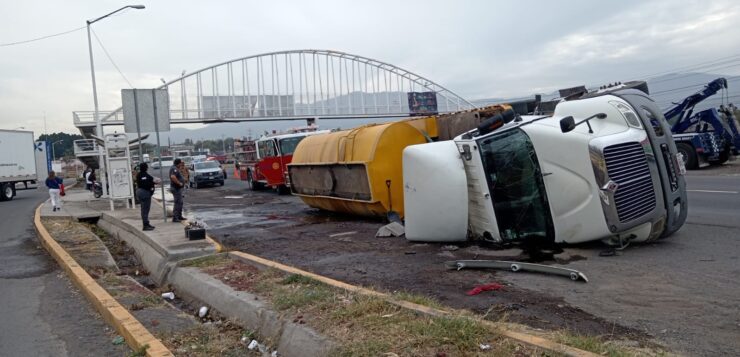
(525, 338)
(135, 334)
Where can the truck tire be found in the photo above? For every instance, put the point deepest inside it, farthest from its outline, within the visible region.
(689, 155)
(283, 190)
(254, 185)
(6, 192)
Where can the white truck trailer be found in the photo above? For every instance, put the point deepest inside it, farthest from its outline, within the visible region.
(17, 161)
(603, 166)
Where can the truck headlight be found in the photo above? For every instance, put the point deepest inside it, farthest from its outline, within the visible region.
(629, 115)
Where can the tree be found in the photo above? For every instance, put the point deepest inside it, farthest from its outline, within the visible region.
(64, 143)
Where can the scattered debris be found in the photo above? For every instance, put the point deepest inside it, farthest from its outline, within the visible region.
(118, 340)
(252, 345)
(393, 229)
(342, 234)
(169, 295)
(573, 274)
(485, 347)
(450, 248)
(608, 253)
(195, 231)
(486, 287)
(203, 311)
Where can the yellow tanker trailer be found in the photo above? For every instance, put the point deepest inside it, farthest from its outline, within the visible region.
(358, 171)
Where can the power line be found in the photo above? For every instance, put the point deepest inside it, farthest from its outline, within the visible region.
(111, 59)
(40, 38)
(689, 86)
(735, 64)
(689, 67)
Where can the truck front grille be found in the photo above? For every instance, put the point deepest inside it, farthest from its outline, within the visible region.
(627, 166)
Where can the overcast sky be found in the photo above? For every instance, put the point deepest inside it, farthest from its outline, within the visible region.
(477, 49)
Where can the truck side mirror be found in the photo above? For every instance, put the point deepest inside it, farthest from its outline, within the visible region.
(567, 124)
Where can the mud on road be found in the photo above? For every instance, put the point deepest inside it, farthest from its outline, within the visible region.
(284, 229)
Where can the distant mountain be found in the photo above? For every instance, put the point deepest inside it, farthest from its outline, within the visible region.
(665, 89)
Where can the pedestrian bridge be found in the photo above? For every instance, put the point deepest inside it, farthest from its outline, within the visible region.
(290, 85)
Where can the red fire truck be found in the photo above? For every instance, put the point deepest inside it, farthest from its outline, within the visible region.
(274, 153)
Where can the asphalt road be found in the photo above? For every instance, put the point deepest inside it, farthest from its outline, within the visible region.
(42, 313)
(714, 200)
(683, 290)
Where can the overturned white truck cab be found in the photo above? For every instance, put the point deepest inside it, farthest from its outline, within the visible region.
(600, 167)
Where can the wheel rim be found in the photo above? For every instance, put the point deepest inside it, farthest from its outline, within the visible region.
(684, 156)
(8, 192)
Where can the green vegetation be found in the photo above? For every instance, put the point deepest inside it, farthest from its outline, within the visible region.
(424, 300)
(207, 261)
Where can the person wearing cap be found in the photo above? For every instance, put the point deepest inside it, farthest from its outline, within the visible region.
(177, 184)
(144, 191)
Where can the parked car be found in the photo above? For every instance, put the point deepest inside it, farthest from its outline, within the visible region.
(205, 172)
(166, 162)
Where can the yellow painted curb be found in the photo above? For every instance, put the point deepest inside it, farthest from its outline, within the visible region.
(135, 334)
(531, 340)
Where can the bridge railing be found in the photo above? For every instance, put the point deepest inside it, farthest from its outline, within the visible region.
(86, 147)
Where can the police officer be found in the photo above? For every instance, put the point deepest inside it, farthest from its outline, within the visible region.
(145, 189)
(177, 184)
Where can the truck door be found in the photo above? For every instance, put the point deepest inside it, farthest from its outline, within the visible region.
(269, 164)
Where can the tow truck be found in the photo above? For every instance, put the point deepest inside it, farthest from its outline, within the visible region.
(706, 137)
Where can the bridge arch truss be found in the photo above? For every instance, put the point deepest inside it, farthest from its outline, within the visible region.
(295, 84)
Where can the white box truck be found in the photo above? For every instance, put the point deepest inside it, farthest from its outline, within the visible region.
(17, 161)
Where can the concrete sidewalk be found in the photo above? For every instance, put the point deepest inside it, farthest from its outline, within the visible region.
(162, 247)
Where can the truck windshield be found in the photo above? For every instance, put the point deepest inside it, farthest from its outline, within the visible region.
(288, 145)
(516, 186)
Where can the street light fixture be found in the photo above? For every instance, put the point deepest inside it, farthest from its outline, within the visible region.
(98, 123)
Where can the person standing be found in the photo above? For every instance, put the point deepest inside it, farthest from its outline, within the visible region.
(90, 179)
(55, 185)
(177, 185)
(144, 191)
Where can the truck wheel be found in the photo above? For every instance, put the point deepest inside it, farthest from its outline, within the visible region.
(689, 155)
(255, 185)
(283, 190)
(7, 192)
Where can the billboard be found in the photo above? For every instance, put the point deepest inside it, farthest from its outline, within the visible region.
(422, 103)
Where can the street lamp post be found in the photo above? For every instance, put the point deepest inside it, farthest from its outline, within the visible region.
(53, 152)
(98, 123)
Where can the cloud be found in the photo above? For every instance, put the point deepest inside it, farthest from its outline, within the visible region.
(477, 49)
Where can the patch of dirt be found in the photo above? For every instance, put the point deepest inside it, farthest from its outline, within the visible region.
(237, 275)
(82, 244)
